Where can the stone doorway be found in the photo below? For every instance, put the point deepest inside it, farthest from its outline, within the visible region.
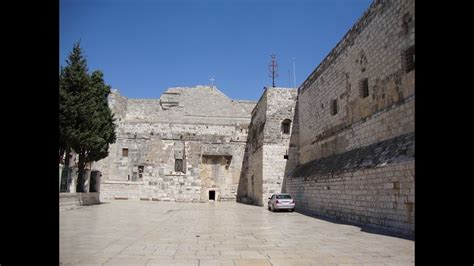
(212, 195)
(215, 175)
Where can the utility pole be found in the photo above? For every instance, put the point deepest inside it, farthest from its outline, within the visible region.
(273, 68)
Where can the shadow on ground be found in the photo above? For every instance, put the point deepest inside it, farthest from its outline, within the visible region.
(249, 204)
(364, 228)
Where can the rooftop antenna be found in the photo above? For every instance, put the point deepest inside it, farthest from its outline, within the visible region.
(294, 73)
(212, 81)
(273, 68)
(289, 78)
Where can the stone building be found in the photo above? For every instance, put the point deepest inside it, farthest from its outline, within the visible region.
(267, 146)
(355, 125)
(188, 145)
(342, 144)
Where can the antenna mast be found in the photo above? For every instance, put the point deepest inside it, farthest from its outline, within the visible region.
(289, 78)
(294, 73)
(273, 68)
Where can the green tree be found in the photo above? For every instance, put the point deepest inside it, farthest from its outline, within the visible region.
(73, 81)
(97, 129)
(102, 120)
(86, 121)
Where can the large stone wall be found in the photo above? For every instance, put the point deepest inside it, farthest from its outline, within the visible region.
(280, 107)
(381, 198)
(267, 146)
(372, 185)
(373, 49)
(200, 126)
(349, 158)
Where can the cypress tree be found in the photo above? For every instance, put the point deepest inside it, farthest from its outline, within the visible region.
(86, 121)
(73, 81)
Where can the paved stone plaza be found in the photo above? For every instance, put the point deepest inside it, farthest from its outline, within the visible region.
(220, 233)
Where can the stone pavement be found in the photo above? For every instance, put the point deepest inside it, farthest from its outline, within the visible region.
(220, 233)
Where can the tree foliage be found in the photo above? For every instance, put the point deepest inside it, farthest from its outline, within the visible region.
(86, 123)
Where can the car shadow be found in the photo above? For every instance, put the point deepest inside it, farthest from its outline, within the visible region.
(284, 211)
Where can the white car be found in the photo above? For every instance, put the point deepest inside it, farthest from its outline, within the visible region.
(281, 202)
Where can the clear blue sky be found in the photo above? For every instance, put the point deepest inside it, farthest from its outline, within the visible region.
(144, 47)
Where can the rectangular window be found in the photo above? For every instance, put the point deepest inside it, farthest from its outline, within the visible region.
(286, 126)
(178, 165)
(364, 88)
(124, 152)
(334, 107)
(408, 59)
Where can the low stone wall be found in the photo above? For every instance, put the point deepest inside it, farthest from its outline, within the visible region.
(74, 200)
(381, 198)
(371, 186)
(122, 190)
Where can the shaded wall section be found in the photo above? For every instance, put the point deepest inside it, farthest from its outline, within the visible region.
(251, 176)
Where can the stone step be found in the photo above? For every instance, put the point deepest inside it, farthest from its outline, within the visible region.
(73, 200)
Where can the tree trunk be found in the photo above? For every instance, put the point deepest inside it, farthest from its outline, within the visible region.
(80, 176)
(61, 154)
(65, 172)
(68, 157)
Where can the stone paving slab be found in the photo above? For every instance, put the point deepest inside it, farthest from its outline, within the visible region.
(217, 233)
